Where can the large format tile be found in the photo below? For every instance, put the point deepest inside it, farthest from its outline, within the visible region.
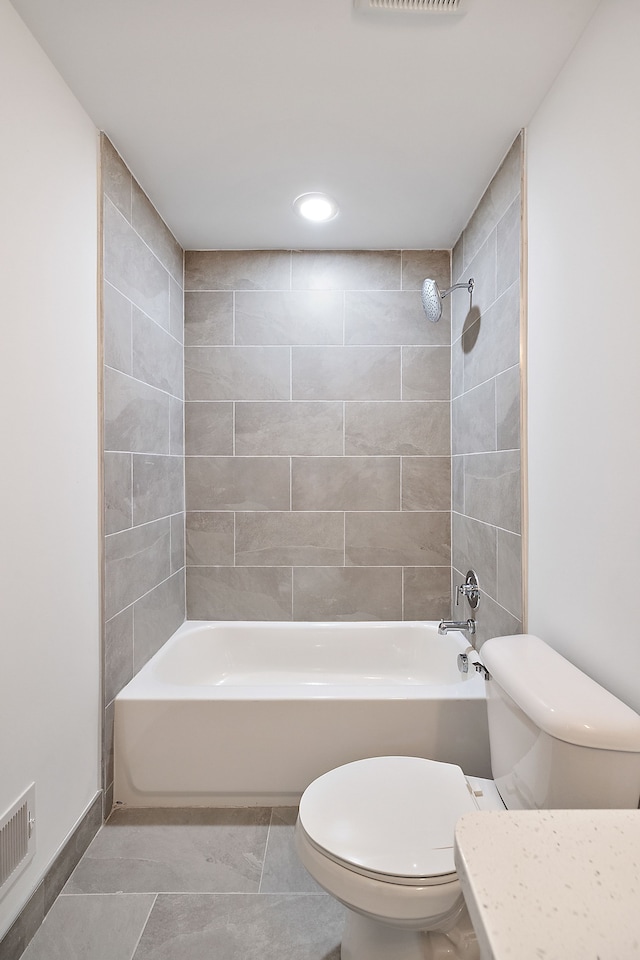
(136, 560)
(237, 483)
(427, 593)
(149, 224)
(473, 420)
(237, 270)
(117, 329)
(132, 268)
(243, 927)
(208, 318)
(483, 270)
(500, 193)
(509, 241)
(509, 590)
(157, 356)
(417, 265)
(209, 539)
(117, 496)
(136, 416)
(474, 547)
(392, 428)
(289, 317)
(102, 927)
(492, 344)
(397, 539)
(347, 593)
(158, 487)
(303, 428)
(118, 653)
(237, 373)
(426, 483)
(156, 617)
(283, 872)
(177, 522)
(282, 538)
(239, 593)
(116, 179)
(508, 409)
(346, 270)
(426, 373)
(196, 850)
(345, 373)
(392, 317)
(345, 483)
(208, 428)
(492, 488)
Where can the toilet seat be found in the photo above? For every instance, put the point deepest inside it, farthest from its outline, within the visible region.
(388, 818)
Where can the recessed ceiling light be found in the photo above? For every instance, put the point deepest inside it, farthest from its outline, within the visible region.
(316, 206)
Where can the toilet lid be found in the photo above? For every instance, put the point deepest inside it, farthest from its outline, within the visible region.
(392, 817)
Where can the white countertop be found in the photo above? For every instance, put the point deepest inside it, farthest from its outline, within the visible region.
(552, 884)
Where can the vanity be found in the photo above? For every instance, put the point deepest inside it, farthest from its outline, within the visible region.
(552, 884)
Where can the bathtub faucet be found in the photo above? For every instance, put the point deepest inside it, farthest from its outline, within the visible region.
(445, 625)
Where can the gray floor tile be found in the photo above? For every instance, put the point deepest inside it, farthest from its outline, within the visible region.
(200, 850)
(283, 872)
(105, 927)
(242, 927)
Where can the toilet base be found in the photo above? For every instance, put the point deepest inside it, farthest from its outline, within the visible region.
(368, 939)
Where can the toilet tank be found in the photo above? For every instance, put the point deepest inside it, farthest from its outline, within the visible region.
(558, 739)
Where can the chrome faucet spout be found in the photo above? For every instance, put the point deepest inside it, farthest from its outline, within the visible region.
(468, 625)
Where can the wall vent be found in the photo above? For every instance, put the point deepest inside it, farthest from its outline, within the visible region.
(416, 6)
(419, 6)
(17, 838)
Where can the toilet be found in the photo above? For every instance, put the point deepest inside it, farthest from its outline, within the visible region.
(378, 833)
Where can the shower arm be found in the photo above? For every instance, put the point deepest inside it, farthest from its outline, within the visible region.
(458, 286)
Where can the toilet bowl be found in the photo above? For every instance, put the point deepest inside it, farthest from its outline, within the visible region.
(377, 834)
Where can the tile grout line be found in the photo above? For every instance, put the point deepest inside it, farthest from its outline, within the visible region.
(144, 927)
(266, 845)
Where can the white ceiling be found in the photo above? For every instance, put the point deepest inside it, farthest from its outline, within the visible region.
(226, 111)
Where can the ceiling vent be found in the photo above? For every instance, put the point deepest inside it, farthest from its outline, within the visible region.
(414, 6)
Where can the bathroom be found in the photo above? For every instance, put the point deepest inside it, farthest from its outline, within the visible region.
(581, 456)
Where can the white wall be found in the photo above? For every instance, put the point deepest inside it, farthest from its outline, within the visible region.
(584, 355)
(49, 596)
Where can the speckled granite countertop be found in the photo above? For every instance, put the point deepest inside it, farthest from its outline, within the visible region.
(552, 884)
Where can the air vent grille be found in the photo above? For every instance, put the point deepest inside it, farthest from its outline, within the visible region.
(424, 6)
(17, 838)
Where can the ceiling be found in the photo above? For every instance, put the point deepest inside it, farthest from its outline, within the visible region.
(226, 111)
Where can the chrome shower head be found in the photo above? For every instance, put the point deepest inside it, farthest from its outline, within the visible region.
(432, 297)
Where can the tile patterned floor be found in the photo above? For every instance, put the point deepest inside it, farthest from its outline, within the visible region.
(220, 884)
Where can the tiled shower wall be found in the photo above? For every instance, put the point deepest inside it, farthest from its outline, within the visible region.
(144, 598)
(317, 436)
(486, 377)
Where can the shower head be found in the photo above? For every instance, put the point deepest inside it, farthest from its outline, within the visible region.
(432, 297)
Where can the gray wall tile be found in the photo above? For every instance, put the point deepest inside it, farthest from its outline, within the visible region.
(393, 317)
(210, 539)
(426, 373)
(208, 318)
(388, 428)
(347, 593)
(117, 329)
(509, 590)
(131, 267)
(508, 249)
(116, 179)
(157, 356)
(345, 483)
(148, 223)
(457, 484)
(345, 373)
(176, 427)
(289, 429)
(239, 593)
(289, 317)
(238, 483)
(237, 270)
(503, 189)
(304, 539)
(176, 310)
(492, 488)
(156, 617)
(158, 487)
(177, 522)
(483, 270)
(427, 593)
(346, 270)
(237, 373)
(397, 539)
(135, 561)
(417, 265)
(494, 345)
(208, 429)
(475, 547)
(508, 409)
(426, 483)
(473, 420)
(118, 661)
(136, 416)
(118, 493)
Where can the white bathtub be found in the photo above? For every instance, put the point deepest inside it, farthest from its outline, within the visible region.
(245, 713)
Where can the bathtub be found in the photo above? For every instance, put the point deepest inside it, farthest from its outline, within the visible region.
(245, 713)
